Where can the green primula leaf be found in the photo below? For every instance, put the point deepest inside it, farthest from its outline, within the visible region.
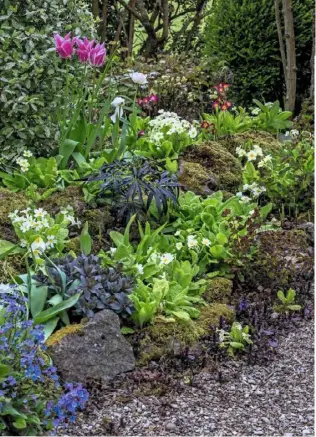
(48, 314)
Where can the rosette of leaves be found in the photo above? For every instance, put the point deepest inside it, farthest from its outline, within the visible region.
(102, 288)
(136, 186)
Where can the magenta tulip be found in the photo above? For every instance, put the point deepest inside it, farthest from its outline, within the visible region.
(97, 55)
(84, 49)
(64, 46)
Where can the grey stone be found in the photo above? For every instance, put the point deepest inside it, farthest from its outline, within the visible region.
(170, 426)
(98, 351)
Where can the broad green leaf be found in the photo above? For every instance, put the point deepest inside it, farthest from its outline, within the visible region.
(37, 300)
(55, 310)
(50, 326)
(85, 240)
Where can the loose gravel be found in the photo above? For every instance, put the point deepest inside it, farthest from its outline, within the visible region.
(251, 400)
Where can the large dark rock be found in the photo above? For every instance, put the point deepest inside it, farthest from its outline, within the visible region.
(95, 350)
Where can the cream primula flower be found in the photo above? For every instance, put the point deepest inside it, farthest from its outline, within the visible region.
(179, 246)
(166, 258)
(51, 241)
(206, 242)
(38, 246)
(40, 213)
(192, 242)
(252, 155)
(140, 268)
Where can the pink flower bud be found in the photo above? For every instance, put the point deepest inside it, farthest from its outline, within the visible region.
(64, 46)
(97, 55)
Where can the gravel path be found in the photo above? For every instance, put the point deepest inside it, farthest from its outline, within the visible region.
(276, 399)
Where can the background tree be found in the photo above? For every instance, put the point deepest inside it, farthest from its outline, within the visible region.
(288, 54)
(242, 34)
(161, 24)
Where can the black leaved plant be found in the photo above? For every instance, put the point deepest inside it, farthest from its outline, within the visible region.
(101, 287)
(133, 186)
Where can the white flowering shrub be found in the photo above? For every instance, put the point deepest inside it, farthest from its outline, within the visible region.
(166, 136)
(40, 233)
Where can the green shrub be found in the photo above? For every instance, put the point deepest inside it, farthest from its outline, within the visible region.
(32, 77)
(243, 34)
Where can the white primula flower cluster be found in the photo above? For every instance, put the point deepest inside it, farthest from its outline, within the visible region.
(69, 218)
(27, 220)
(255, 111)
(254, 189)
(266, 160)
(292, 133)
(23, 162)
(34, 221)
(168, 123)
(252, 155)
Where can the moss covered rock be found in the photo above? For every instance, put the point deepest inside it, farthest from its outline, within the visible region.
(63, 332)
(9, 202)
(11, 266)
(211, 315)
(171, 339)
(72, 196)
(218, 290)
(99, 219)
(284, 260)
(265, 140)
(209, 167)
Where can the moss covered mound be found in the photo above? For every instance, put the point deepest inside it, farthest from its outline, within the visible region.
(218, 290)
(284, 260)
(171, 339)
(9, 202)
(209, 167)
(99, 219)
(13, 265)
(265, 140)
(72, 196)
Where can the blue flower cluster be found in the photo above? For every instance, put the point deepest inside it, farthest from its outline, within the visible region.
(30, 390)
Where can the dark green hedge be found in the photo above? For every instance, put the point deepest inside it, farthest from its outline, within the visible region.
(243, 34)
(31, 77)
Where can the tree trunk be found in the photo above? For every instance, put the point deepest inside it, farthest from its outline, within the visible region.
(95, 8)
(280, 36)
(131, 30)
(290, 56)
(104, 23)
(312, 89)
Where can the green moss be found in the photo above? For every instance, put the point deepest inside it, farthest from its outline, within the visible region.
(99, 220)
(210, 165)
(194, 177)
(210, 316)
(265, 140)
(13, 265)
(163, 339)
(218, 290)
(73, 245)
(9, 202)
(72, 196)
(170, 339)
(61, 333)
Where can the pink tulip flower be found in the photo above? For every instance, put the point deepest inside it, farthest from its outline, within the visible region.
(84, 49)
(64, 46)
(97, 55)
